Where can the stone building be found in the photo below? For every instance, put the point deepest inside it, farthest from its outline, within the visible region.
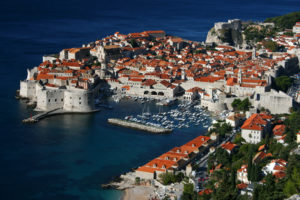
(79, 100)
(256, 127)
(74, 53)
(296, 27)
(242, 174)
(276, 102)
(52, 91)
(235, 119)
(175, 159)
(49, 99)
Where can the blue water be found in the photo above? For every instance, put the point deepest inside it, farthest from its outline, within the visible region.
(69, 157)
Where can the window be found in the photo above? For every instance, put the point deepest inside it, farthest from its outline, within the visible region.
(62, 99)
(48, 100)
(55, 100)
(79, 102)
(79, 98)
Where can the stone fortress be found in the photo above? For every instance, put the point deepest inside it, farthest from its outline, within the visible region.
(70, 88)
(235, 24)
(225, 32)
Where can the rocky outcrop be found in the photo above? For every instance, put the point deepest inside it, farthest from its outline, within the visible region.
(288, 67)
(294, 197)
(228, 33)
(213, 37)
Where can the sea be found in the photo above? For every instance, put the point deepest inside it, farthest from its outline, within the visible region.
(70, 156)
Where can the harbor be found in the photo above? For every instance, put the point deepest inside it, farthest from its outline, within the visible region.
(164, 114)
(179, 116)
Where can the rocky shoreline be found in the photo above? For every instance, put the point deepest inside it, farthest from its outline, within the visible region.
(131, 190)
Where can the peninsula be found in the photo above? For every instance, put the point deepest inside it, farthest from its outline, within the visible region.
(152, 64)
(247, 73)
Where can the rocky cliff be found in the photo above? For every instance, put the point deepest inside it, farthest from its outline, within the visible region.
(229, 33)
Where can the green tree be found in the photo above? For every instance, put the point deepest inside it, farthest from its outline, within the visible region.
(137, 180)
(293, 121)
(250, 168)
(227, 189)
(221, 128)
(271, 189)
(254, 34)
(245, 105)
(286, 21)
(188, 188)
(236, 103)
(290, 188)
(283, 83)
(271, 45)
(238, 139)
(133, 43)
(188, 192)
(292, 185)
(289, 33)
(241, 105)
(167, 178)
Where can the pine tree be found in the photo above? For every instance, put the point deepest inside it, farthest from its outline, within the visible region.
(249, 169)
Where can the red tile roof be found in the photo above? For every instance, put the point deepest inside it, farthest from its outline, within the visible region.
(242, 186)
(256, 122)
(170, 159)
(278, 130)
(228, 146)
(279, 174)
(205, 191)
(262, 147)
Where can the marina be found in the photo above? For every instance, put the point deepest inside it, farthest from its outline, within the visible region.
(183, 115)
(160, 113)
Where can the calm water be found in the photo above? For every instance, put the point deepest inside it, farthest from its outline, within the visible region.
(68, 157)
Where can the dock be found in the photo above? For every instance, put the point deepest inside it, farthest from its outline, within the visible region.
(42, 115)
(139, 126)
(56, 111)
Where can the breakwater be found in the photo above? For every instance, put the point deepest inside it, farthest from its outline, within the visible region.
(56, 111)
(139, 126)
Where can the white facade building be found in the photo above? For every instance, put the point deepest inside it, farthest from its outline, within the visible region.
(242, 175)
(255, 128)
(276, 167)
(296, 27)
